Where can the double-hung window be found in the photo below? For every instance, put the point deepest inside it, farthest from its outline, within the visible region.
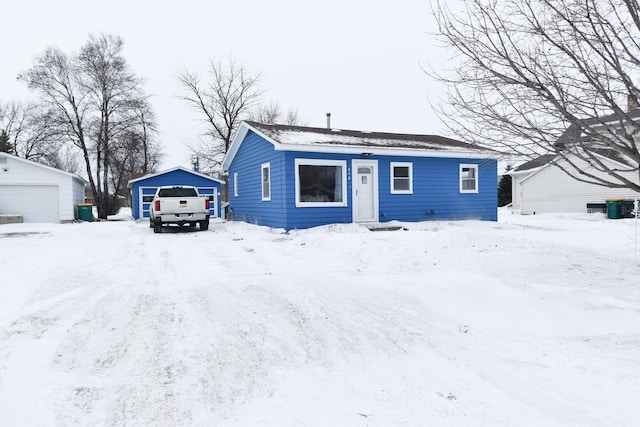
(468, 178)
(266, 181)
(401, 178)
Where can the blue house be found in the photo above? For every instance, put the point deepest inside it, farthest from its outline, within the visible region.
(143, 189)
(298, 177)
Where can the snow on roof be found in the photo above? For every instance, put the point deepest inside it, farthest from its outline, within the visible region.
(298, 135)
(43, 166)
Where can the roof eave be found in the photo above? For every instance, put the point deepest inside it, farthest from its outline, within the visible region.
(46, 167)
(390, 151)
(153, 175)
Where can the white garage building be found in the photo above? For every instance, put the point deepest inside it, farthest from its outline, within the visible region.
(38, 193)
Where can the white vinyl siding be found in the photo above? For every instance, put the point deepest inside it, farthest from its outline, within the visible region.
(550, 190)
(37, 184)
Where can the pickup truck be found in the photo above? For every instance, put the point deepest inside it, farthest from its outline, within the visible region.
(178, 204)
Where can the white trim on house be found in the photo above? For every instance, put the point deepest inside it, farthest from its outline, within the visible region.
(475, 178)
(392, 166)
(235, 184)
(355, 164)
(265, 184)
(320, 162)
(341, 149)
(383, 151)
(153, 175)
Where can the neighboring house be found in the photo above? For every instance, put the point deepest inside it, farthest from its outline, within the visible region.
(541, 186)
(37, 192)
(298, 177)
(143, 189)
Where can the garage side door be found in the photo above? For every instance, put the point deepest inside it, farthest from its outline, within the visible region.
(36, 203)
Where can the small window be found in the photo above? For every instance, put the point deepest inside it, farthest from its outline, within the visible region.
(401, 178)
(468, 178)
(147, 198)
(266, 182)
(235, 184)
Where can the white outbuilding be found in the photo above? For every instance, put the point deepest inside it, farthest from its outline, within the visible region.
(38, 193)
(541, 186)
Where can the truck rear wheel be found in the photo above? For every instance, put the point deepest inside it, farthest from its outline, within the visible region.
(157, 228)
(204, 225)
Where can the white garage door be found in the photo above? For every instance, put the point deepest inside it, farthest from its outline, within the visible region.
(36, 203)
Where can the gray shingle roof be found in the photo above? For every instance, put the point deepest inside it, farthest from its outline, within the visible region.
(299, 135)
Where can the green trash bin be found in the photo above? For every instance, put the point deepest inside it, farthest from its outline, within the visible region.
(85, 212)
(626, 208)
(614, 208)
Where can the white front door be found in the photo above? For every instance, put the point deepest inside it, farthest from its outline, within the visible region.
(365, 190)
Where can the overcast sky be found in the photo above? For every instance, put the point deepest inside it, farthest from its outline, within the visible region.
(360, 60)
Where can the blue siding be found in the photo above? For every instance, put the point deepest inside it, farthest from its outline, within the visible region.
(305, 217)
(436, 189)
(248, 205)
(175, 177)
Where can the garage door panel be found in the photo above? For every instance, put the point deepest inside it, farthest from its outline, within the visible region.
(36, 203)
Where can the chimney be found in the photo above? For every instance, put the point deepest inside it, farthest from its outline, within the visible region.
(328, 120)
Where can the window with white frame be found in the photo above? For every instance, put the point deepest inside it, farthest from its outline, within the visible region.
(468, 178)
(266, 181)
(235, 184)
(321, 183)
(401, 177)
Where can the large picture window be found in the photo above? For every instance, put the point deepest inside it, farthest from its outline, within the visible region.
(320, 182)
(468, 178)
(401, 178)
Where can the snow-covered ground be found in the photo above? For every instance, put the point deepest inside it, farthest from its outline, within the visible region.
(530, 321)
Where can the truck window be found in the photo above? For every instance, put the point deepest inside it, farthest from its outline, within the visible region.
(177, 192)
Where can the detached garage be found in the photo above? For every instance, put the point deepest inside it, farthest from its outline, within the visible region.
(38, 193)
(143, 189)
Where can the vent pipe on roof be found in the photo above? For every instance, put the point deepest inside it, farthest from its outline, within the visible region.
(328, 120)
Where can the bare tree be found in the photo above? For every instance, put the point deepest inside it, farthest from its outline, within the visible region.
(224, 101)
(94, 100)
(547, 76)
(135, 150)
(272, 113)
(31, 134)
(113, 92)
(54, 76)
